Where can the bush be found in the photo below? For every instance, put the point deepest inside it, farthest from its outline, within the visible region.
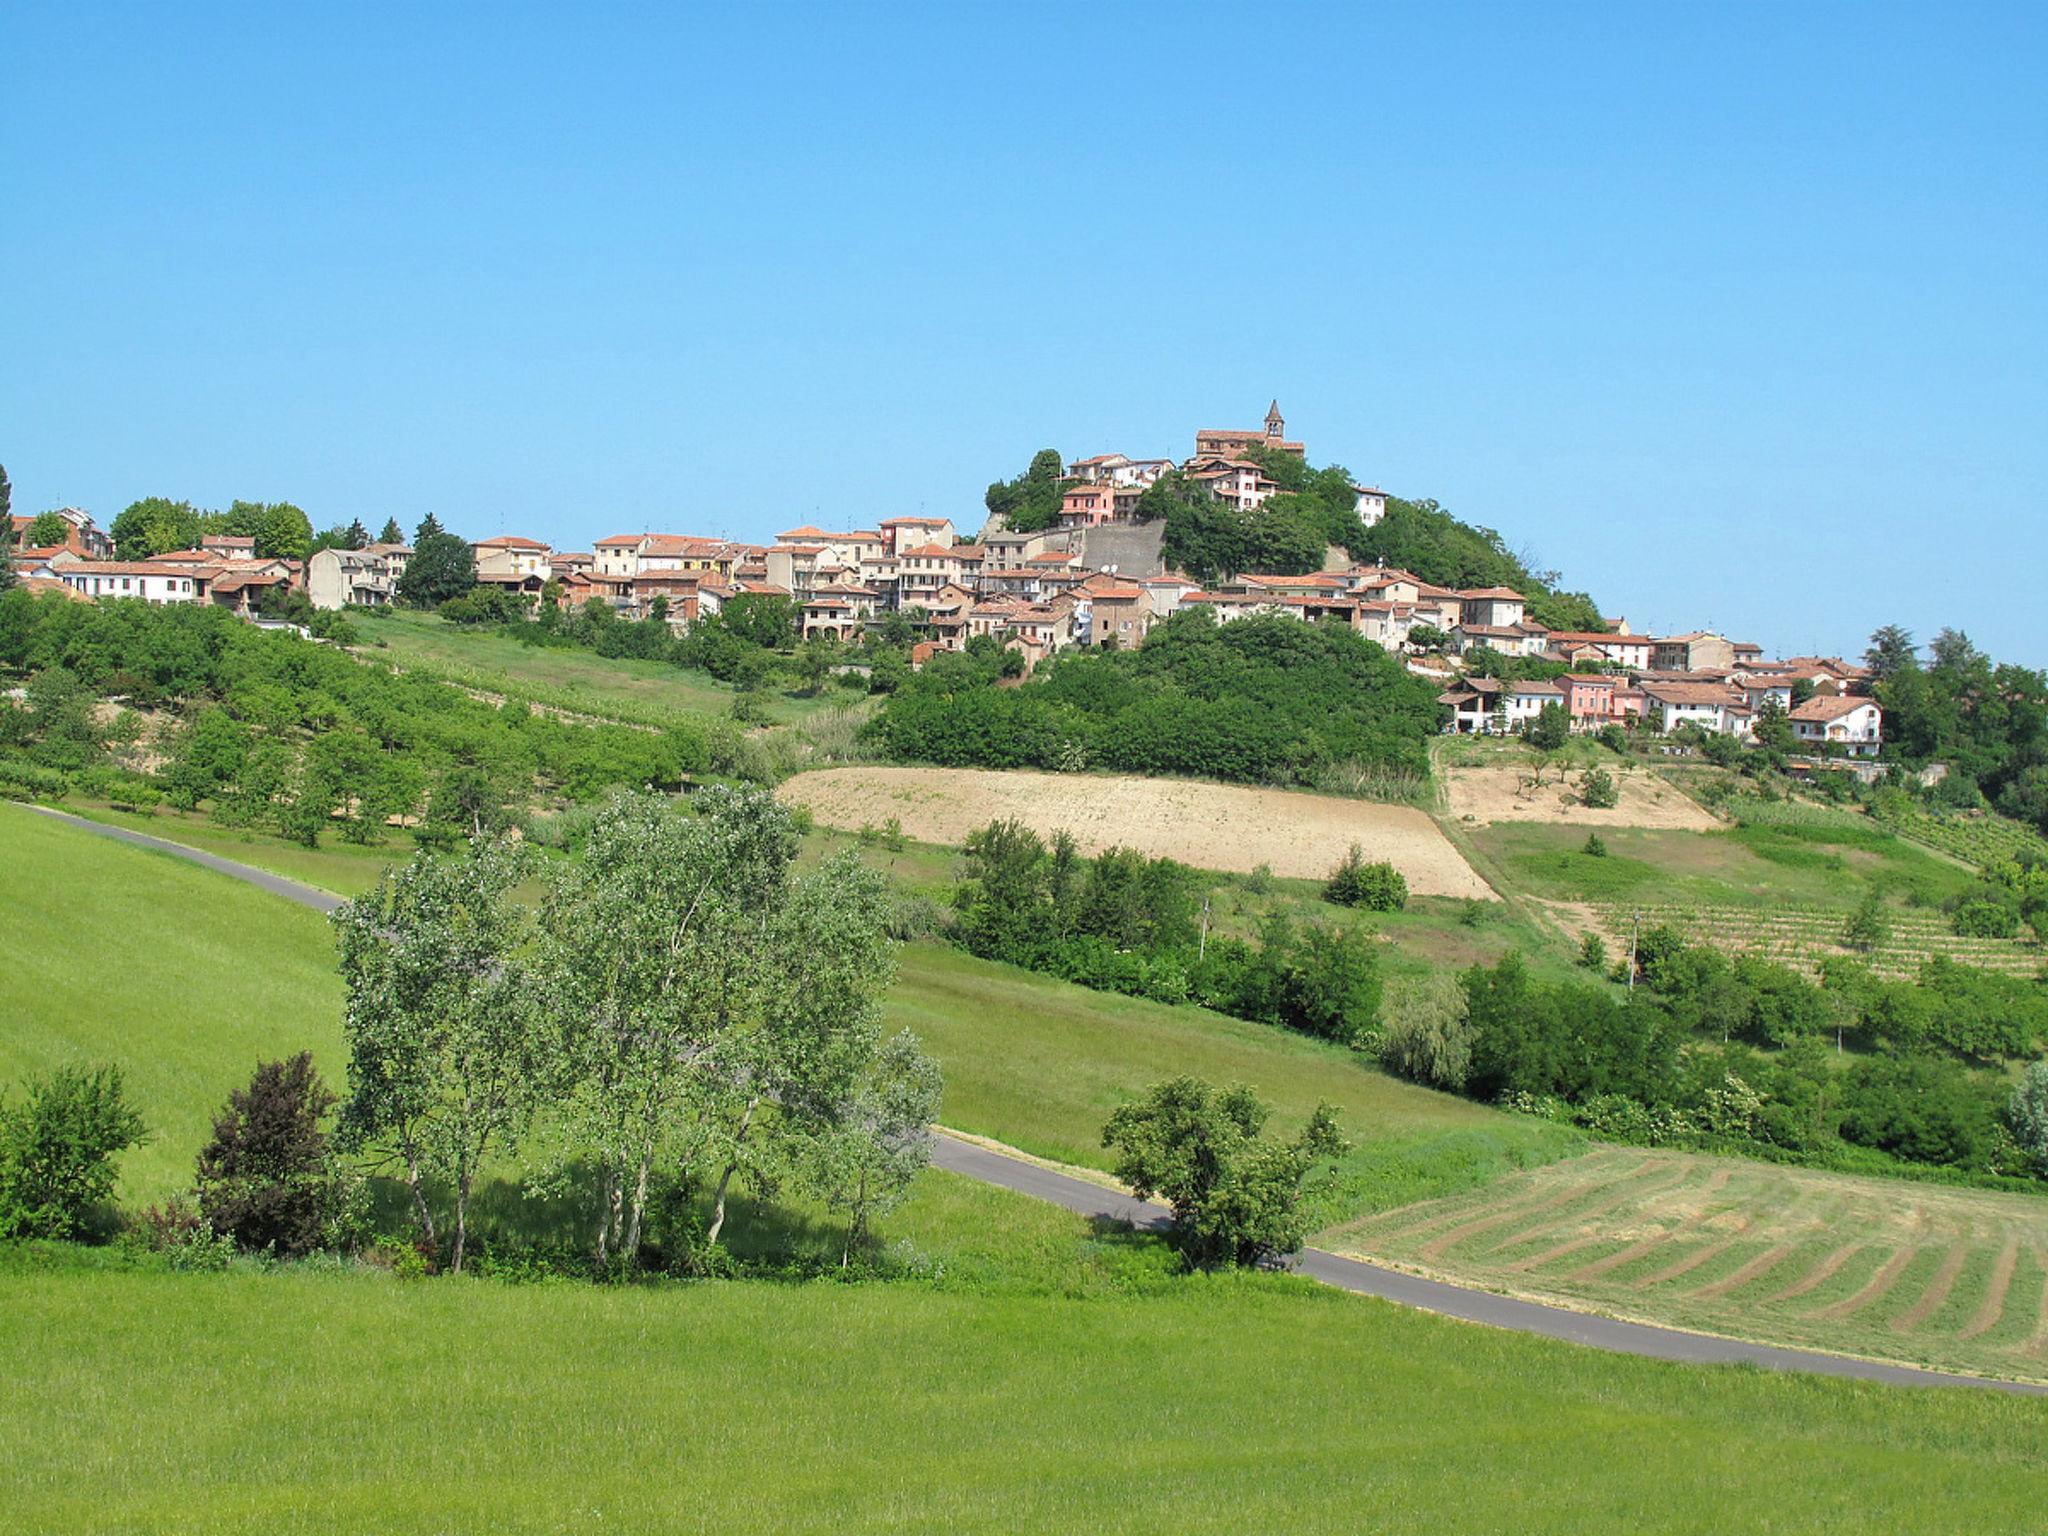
(1594, 848)
(1986, 920)
(1869, 925)
(2027, 1116)
(1920, 1108)
(1377, 887)
(264, 1179)
(57, 1151)
(1593, 953)
(1236, 1197)
(1598, 790)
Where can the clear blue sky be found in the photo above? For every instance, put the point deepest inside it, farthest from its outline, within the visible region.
(1734, 314)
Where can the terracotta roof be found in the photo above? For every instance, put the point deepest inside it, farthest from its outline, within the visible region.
(619, 540)
(915, 522)
(1690, 693)
(926, 552)
(45, 586)
(510, 541)
(1831, 706)
(1505, 593)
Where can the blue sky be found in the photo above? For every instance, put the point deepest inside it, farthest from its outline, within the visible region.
(1734, 314)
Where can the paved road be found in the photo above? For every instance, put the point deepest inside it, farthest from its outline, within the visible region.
(1088, 1199)
(277, 885)
(1472, 1306)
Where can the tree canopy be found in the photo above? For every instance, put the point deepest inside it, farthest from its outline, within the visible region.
(1031, 502)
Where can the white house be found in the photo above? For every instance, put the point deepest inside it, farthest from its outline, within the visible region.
(1854, 725)
(1482, 706)
(133, 578)
(1706, 705)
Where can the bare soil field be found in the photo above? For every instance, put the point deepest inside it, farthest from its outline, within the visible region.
(1877, 1267)
(1213, 826)
(1508, 791)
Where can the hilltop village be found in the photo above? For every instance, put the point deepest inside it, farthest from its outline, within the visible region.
(1097, 576)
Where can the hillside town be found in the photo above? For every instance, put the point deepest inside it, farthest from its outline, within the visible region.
(1097, 577)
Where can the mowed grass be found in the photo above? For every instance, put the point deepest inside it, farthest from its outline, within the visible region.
(1757, 865)
(352, 1402)
(1947, 1277)
(182, 978)
(1039, 1064)
(628, 688)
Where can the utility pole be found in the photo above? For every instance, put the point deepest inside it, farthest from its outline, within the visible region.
(1634, 937)
(1202, 949)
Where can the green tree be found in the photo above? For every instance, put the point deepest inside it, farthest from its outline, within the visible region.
(47, 529)
(442, 566)
(1773, 726)
(57, 1150)
(153, 525)
(1425, 1035)
(1031, 502)
(1551, 728)
(1598, 791)
(283, 532)
(6, 496)
(264, 1179)
(2027, 1115)
(392, 533)
(712, 1009)
(445, 1045)
(1891, 651)
(1869, 925)
(1237, 1197)
(877, 1138)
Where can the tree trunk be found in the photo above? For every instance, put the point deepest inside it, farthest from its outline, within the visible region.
(630, 1249)
(462, 1185)
(419, 1198)
(725, 1178)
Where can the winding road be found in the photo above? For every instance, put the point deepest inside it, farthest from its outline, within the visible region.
(1079, 1195)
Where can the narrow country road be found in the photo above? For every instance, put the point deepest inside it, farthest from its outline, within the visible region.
(1468, 1305)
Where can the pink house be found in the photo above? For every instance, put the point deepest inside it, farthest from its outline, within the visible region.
(1596, 699)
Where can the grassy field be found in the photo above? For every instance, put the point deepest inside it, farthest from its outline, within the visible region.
(348, 1401)
(1039, 1064)
(1956, 1278)
(182, 978)
(639, 692)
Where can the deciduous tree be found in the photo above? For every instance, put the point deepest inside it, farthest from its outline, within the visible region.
(446, 1050)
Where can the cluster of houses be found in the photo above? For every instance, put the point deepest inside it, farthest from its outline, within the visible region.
(221, 570)
(1094, 579)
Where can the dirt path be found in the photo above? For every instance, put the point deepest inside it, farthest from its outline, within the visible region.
(1212, 826)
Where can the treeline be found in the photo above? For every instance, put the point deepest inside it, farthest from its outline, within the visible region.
(1741, 1054)
(1124, 923)
(269, 729)
(1986, 721)
(1262, 700)
(680, 1017)
(1422, 537)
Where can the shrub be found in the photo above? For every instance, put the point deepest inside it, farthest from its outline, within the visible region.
(1920, 1108)
(1594, 848)
(1424, 1033)
(1236, 1197)
(265, 1179)
(1868, 925)
(1986, 920)
(1598, 789)
(1377, 887)
(57, 1151)
(1593, 953)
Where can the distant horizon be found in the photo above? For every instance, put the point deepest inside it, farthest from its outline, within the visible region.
(1730, 316)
